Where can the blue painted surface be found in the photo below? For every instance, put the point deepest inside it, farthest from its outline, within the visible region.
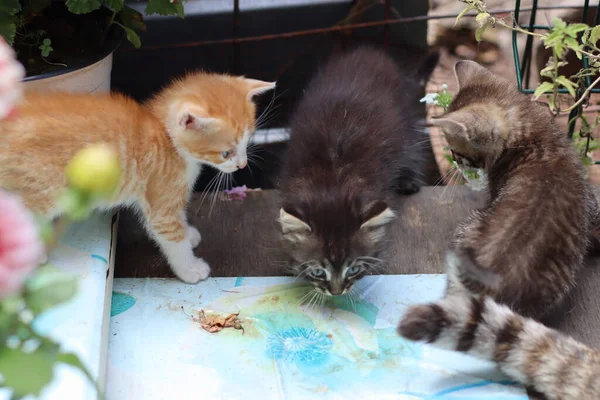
(300, 346)
(121, 302)
(97, 257)
(444, 394)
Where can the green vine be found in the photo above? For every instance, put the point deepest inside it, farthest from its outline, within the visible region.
(563, 39)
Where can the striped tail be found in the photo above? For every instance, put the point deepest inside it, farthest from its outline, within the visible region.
(541, 358)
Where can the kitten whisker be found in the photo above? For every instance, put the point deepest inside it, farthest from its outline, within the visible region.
(303, 298)
(451, 179)
(217, 192)
(206, 191)
(314, 292)
(441, 179)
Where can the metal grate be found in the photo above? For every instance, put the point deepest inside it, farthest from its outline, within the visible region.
(523, 68)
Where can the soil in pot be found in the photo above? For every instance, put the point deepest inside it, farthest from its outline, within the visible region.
(76, 40)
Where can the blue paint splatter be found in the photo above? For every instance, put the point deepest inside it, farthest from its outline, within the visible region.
(97, 257)
(442, 394)
(121, 302)
(238, 281)
(300, 345)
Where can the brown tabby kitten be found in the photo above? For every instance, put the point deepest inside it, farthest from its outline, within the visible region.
(554, 365)
(525, 247)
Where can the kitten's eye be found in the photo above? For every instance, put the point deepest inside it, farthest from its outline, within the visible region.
(353, 270)
(226, 154)
(318, 273)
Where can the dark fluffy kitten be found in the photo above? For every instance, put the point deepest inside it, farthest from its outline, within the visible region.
(350, 148)
(526, 246)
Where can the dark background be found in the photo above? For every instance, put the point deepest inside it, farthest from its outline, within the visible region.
(170, 47)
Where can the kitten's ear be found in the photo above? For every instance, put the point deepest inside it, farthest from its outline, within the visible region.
(452, 124)
(256, 87)
(194, 117)
(376, 217)
(467, 71)
(292, 227)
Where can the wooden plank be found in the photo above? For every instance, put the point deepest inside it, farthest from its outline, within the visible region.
(240, 238)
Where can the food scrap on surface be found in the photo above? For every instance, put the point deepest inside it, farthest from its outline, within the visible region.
(238, 193)
(214, 323)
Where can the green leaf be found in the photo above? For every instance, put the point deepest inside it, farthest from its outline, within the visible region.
(462, 14)
(572, 43)
(25, 373)
(9, 7)
(594, 35)
(73, 360)
(559, 24)
(116, 5)
(574, 29)
(46, 48)
(165, 7)
(586, 35)
(8, 29)
(132, 36)
(567, 84)
(132, 19)
(543, 88)
(83, 6)
(482, 19)
(480, 31)
(48, 288)
(8, 10)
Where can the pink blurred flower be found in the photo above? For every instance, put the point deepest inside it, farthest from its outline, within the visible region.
(11, 75)
(21, 248)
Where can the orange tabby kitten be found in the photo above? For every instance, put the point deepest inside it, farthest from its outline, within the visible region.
(200, 119)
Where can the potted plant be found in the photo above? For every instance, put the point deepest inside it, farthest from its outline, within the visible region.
(68, 44)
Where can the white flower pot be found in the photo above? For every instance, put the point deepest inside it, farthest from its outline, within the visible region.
(94, 78)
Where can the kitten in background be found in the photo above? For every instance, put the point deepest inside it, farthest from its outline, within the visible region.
(525, 247)
(350, 149)
(199, 119)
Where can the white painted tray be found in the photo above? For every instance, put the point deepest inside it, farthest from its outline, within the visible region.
(345, 350)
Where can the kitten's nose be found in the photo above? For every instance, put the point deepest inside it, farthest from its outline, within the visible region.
(336, 288)
(241, 163)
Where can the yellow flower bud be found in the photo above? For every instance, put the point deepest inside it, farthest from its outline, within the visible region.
(95, 170)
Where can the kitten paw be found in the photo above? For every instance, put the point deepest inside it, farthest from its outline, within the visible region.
(194, 273)
(193, 236)
(421, 323)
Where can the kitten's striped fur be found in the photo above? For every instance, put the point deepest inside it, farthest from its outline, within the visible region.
(526, 245)
(523, 250)
(549, 362)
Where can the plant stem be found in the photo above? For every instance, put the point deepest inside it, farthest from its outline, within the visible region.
(584, 95)
(60, 227)
(587, 53)
(518, 28)
(110, 22)
(51, 63)
(555, 72)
